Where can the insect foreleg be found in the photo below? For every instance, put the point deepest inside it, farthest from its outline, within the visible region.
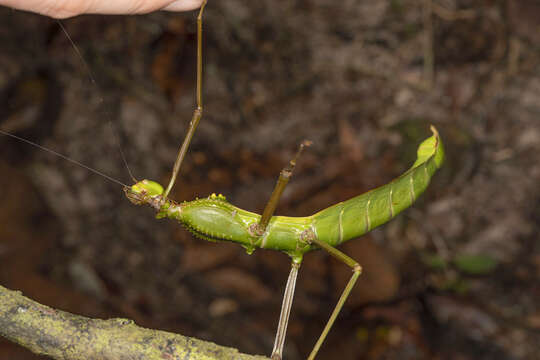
(197, 113)
(357, 270)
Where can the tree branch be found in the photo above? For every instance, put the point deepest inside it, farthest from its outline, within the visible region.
(66, 336)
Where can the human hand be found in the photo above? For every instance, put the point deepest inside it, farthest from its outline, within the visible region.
(66, 8)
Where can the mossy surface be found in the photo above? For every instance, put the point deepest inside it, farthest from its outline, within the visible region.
(62, 335)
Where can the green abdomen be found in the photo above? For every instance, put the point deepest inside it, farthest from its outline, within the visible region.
(361, 214)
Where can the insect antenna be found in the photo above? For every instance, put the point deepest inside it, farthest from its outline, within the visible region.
(119, 146)
(79, 55)
(95, 83)
(50, 151)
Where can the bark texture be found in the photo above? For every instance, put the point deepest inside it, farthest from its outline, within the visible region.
(66, 336)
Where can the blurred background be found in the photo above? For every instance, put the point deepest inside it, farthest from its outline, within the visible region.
(454, 277)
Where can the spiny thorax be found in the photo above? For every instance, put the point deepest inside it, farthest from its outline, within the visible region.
(215, 219)
(212, 219)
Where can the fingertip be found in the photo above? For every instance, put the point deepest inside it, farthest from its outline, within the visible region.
(183, 5)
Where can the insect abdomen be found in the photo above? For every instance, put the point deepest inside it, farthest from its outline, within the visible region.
(359, 215)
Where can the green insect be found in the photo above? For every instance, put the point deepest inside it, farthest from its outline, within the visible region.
(215, 219)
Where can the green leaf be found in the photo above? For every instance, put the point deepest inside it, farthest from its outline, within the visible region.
(434, 261)
(475, 264)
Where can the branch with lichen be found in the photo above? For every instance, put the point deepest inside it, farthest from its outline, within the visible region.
(66, 336)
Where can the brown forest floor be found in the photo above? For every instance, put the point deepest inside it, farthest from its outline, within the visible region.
(348, 75)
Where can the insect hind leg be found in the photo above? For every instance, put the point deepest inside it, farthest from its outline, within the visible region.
(357, 270)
